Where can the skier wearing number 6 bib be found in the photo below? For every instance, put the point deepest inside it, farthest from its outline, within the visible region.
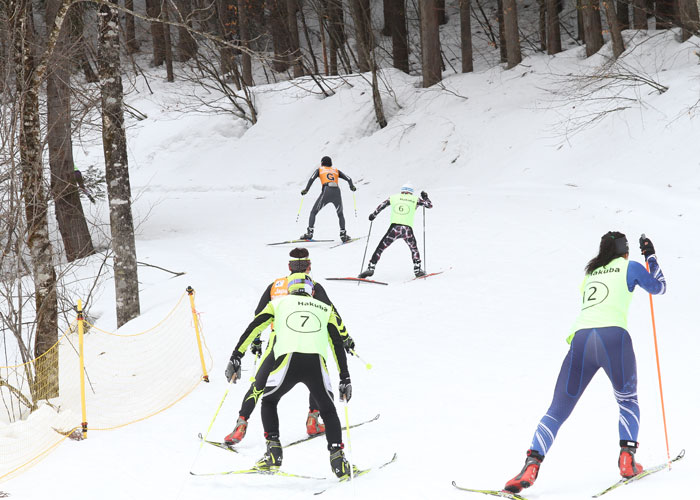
(304, 329)
(600, 340)
(403, 210)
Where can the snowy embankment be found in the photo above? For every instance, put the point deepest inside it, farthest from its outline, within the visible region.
(463, 363)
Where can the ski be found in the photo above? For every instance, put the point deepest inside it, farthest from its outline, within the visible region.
(362, 280)
(360, 473)
(225, 446)
(297, 241)
(346, 242)
(218, 444)
(256, 471)
(641, 475)
(493, 493)
(308, 438)
(425, 276)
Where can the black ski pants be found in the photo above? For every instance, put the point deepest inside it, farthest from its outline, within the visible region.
(310, 371)
(258, 386)
(329, 194)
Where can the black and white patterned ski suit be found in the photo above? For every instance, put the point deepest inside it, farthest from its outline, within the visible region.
(395, 232)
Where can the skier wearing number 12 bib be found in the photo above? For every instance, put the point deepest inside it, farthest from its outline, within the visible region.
(330, 193)
(600, 340)
(403, 211)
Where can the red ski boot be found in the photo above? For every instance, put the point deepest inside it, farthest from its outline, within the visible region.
(629, 467)
(238, 433)
(313, 427)
(527, 476)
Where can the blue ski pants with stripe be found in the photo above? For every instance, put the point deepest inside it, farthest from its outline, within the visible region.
(609, 348)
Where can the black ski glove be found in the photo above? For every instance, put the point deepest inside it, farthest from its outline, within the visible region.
(424, 195)
(353, 188)
(646, 246)
(256, 346)
(372, 216)
(348, 344)
(303, 192)
(345, 389)
(233, 369)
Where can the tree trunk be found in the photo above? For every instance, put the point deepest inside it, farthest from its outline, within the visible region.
(510, 20)
(615, 34)
(35, 203)
(186, 44)
(441, 15)
(623, 14)
(363, 32)
(117, 168)
(501, 32)
(430, 50)
(294, 46)
(245, 43)
(690, 21)
(165, 15)
(466, 35)
(579, 21)
(336, 33)
(387, 7)
(399, 33)
(592, 29)
(639, 15)
(542, 8)
(132, 44)
(280, 34)
(666, 14)
(69, 210)
(157, 32)
(553, 32)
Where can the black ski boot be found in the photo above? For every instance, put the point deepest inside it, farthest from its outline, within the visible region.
(367, 272)
(308, 235)
(339, 464)
(418, 271)
(272, 459)
(344, 237)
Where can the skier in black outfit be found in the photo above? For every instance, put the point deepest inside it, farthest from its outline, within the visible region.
(330, 193)
(305, 328)
(299, 262)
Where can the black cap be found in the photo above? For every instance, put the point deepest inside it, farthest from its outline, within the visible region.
(326, 161)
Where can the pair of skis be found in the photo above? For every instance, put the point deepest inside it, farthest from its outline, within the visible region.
(365, 280)
(621, 482)
(316, 241)
(253, 470)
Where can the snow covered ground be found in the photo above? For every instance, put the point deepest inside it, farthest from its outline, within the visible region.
(464, 363)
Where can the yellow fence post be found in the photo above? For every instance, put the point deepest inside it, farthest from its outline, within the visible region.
(81, 331)
(190, 292)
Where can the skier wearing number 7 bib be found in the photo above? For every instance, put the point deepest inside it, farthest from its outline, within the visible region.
(403, 210)
(600, 340)
(304, 329)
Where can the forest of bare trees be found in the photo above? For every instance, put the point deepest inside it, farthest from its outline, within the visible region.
(62, 63)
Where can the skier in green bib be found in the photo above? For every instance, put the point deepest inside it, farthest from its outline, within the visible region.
(304, 329)
(403, 210)
(600, 340)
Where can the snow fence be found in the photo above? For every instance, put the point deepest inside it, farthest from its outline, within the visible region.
(93, 380)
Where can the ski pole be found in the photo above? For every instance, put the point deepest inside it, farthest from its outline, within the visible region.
(354, 201)
(366, 245)
(425, 260)
(257, 357)
(211, 424)
(658, 370)
(300, 204)
(347, 429)
(367, 365)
